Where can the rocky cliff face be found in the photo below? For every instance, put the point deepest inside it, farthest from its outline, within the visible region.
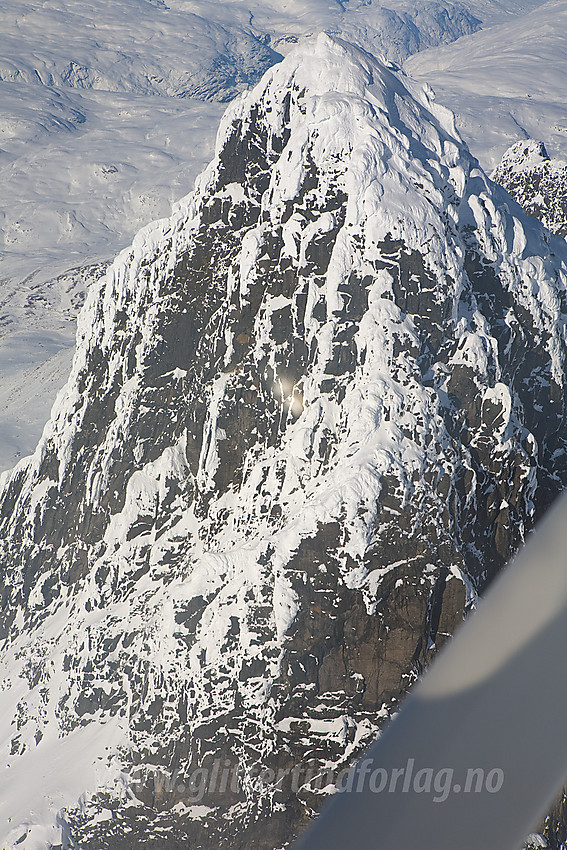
(309, 417)
(536, 182)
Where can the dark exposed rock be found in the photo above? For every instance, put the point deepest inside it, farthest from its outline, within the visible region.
(536, 182)
(308, 421)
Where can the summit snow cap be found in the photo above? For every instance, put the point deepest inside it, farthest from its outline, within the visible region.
(366, 117)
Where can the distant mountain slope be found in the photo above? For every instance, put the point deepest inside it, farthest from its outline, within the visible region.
(303, 428)
(204, 50)
(505, 84)
(92, 169)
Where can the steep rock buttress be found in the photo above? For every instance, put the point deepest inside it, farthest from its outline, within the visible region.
(309, 417)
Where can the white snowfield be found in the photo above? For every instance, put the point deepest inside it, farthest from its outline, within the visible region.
(86, 171)
(505, 84)
(108, 111)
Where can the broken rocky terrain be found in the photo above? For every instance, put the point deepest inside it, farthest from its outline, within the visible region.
(309, 418)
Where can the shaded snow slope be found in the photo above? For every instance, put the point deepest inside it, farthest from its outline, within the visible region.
(302, 428)
(505, 84)
(37, 341)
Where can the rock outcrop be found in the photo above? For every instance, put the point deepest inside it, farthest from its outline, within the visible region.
(309, 418)
(537, 182)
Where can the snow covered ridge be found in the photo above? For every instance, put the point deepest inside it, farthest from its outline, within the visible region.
(308, 416)
(537, 183)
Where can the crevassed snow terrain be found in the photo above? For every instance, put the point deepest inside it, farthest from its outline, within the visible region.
(505, 84)
(302, 428)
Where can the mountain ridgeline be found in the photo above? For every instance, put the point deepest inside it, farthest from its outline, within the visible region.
(309, 418)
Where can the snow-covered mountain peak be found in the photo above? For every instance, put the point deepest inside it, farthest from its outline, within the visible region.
(537, 182)
(302, 428)
(325, 72)
(364, 123)
(526, 153)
